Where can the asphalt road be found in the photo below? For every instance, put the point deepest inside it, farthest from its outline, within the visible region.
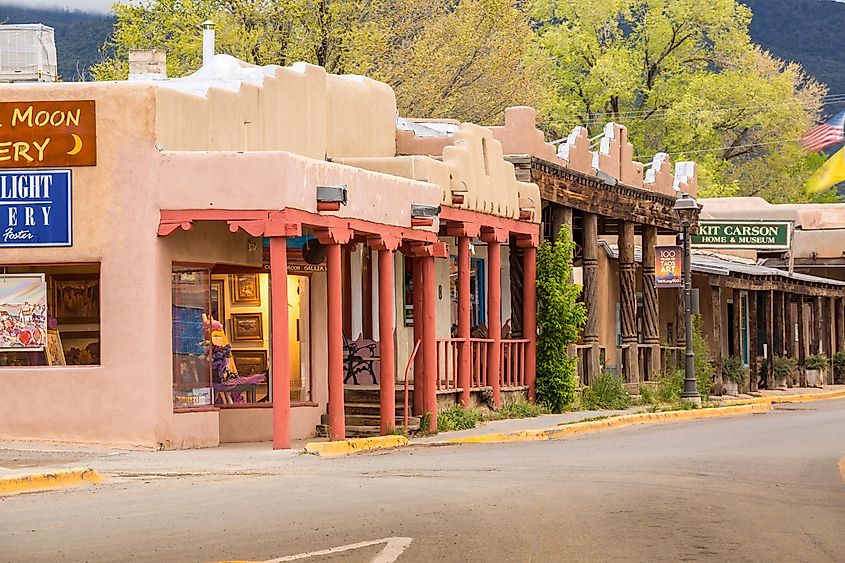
(755, 488)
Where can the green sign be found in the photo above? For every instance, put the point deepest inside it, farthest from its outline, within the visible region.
(754, 235)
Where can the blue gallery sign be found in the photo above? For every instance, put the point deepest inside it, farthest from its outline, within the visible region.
(35, 208)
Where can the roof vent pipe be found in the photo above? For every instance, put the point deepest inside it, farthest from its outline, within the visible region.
(207, 42)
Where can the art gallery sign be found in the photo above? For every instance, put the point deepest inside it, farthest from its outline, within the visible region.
(753, 235)
(35, 208)
(48, 134)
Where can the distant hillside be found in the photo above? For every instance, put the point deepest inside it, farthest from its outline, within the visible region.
(79, 35)
(806, 31)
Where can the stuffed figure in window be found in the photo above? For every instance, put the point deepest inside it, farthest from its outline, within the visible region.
(222, 364)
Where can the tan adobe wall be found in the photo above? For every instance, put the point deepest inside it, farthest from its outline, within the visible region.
(472, 166)
(233, 106)
(614, 155)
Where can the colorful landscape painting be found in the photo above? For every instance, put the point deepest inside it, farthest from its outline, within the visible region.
(23, 312)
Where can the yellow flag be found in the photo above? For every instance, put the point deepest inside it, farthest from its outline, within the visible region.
(831, 173)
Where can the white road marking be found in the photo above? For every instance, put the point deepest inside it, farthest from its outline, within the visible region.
(393, 548)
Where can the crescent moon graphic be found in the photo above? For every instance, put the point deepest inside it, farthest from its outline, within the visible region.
(77, 145)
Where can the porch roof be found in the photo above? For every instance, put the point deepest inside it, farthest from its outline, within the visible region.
(742, 269)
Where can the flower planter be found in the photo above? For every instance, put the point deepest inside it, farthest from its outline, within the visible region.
(780, 383)
(816, 377)
(731, 388)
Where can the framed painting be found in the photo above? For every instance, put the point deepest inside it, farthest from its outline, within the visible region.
(250, 362)
(247, 327)
(245, 289)
(23, 312)
(218, 303)
(76, 298)
(55, 351)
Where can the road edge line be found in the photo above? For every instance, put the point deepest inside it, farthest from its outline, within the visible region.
(806, 398)
(355, 445)
(609, 424)
(48, 480)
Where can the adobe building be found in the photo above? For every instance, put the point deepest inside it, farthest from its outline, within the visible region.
(233, 255)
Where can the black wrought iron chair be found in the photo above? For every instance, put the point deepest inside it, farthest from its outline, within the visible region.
(359, 358)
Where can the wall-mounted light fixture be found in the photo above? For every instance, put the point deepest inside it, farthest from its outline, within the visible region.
(606, 178)
(330, 198)
(423, 215)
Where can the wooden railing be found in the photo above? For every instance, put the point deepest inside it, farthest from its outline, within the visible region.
(479, 361)
(447, 363)
(672, 357)
(512, 363)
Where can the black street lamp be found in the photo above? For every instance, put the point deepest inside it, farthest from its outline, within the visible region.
(687, 209)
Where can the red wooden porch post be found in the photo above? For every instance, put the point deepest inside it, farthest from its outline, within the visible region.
(333, 238)
(419, 361)
(529, 316)
(429, 342)
(464, 320)
(494, 239)
(387, 348)
(334, 329)
(280, 344)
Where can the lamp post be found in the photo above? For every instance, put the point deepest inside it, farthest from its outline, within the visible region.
(687, 209)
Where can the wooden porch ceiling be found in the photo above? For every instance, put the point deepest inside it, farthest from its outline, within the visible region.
(612, 203)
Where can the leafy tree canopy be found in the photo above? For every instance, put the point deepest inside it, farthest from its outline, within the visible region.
(685, 78)
(466, 59)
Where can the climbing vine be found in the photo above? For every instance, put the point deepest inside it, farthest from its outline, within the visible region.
(560, 318)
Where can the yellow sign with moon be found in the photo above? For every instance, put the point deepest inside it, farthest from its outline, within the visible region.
(48, 134)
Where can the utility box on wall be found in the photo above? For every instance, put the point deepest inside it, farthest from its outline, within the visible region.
(27, 53)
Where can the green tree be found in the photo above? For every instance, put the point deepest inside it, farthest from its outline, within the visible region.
(685, 78)
(465, 59)
(560, 318)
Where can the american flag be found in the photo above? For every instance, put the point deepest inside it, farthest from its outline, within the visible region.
(826, 134)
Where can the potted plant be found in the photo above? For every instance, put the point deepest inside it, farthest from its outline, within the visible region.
(816, 366)
(734, 374)
(839, 367)
(782, 368)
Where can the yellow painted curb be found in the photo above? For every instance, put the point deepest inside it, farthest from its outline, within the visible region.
(354, 445)
(32, 482)
(608, 424)
(778, 399)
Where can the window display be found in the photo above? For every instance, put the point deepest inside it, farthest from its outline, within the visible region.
(50, 315)
(191, 338)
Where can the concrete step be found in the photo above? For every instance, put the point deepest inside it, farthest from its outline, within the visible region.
(370, 420)
(370, 408)
(370, 394)
(361, 431)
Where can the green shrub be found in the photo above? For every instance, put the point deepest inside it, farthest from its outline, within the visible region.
(704, 369)
(670, 385)
(560, 318)
(817, 361)
(782, 367)
(607, 392)
(518, 409)
(648, 395)
(839, 365)
(457, 418)
(839, 360)
(733, 370)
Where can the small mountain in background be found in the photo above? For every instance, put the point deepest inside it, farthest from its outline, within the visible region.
(807, 32)
(79, 35)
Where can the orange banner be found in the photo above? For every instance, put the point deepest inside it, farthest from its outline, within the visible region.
(669, 260)
(48, 134)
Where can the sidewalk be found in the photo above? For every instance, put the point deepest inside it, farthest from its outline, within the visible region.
(19, 459)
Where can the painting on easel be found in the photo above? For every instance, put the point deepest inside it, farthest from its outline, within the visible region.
(23, 312)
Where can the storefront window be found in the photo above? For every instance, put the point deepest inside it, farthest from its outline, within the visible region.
(50, 315)
(191, 337)
(241, 337)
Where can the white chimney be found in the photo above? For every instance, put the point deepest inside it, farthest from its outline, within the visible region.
(207, 42)
(147, 64)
